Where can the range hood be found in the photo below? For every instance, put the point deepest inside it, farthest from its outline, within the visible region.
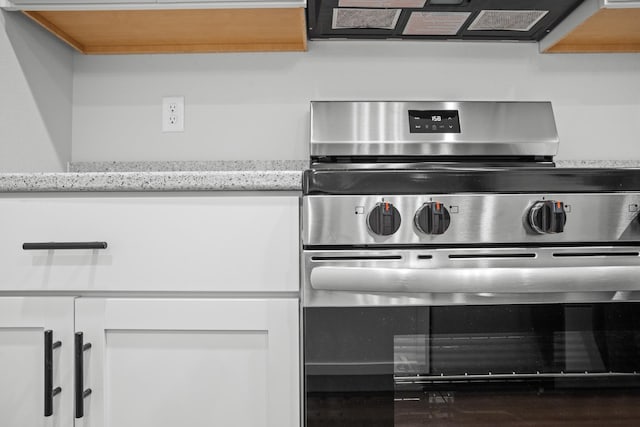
(517, 20)
(170, 26)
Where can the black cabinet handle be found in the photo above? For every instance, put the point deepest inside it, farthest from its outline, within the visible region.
(49, 391)
(63, 245)
(80, 392)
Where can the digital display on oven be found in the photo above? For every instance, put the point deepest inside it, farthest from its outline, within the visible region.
(432, 121)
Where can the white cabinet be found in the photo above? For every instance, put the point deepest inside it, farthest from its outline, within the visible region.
(179, 243)
(191, 310)
(23, 322)
(192, 362)
(153, 362)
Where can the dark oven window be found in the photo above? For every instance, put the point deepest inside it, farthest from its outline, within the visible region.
(507, 365)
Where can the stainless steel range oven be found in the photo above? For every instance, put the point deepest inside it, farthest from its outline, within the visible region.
(453, 276)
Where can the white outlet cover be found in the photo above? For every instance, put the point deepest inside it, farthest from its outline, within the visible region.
(173, 114)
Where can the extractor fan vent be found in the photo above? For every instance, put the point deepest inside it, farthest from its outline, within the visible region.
(507, 20)
(365, 18)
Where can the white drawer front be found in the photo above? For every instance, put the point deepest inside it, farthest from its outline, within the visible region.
(227, 243)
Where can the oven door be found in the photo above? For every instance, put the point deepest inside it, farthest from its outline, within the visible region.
(524, 337)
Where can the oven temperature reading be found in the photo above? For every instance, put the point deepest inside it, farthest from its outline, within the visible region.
(434, 121)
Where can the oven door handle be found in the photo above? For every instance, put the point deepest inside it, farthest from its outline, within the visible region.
(475, 280)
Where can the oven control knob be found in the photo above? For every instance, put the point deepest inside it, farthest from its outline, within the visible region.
(547, 216)
(384, 219)
(432, 218)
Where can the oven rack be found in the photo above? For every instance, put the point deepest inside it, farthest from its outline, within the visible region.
(514, 376)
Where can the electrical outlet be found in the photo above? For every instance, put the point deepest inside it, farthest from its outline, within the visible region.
(173, 114)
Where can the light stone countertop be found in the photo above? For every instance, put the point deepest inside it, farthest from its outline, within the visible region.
(153, 181)
(597, 163)
(163, 176)
(285, 175)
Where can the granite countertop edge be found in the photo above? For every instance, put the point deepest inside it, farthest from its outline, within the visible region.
(222, 176)
(280, 180)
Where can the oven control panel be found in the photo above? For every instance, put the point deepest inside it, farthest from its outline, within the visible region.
(434, 121)
(470, 219)
(544, 217)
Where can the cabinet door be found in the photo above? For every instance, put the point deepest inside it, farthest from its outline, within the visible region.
(190, 362)
(23, 322)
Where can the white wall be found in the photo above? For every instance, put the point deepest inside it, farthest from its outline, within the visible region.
(36, 85)
(255, 106)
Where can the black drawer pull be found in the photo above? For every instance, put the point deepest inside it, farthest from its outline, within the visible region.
(80, 392)
(49, 391)
(63, 245)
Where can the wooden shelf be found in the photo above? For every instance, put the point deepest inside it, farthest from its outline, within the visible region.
(607, 30)
(178, 31)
